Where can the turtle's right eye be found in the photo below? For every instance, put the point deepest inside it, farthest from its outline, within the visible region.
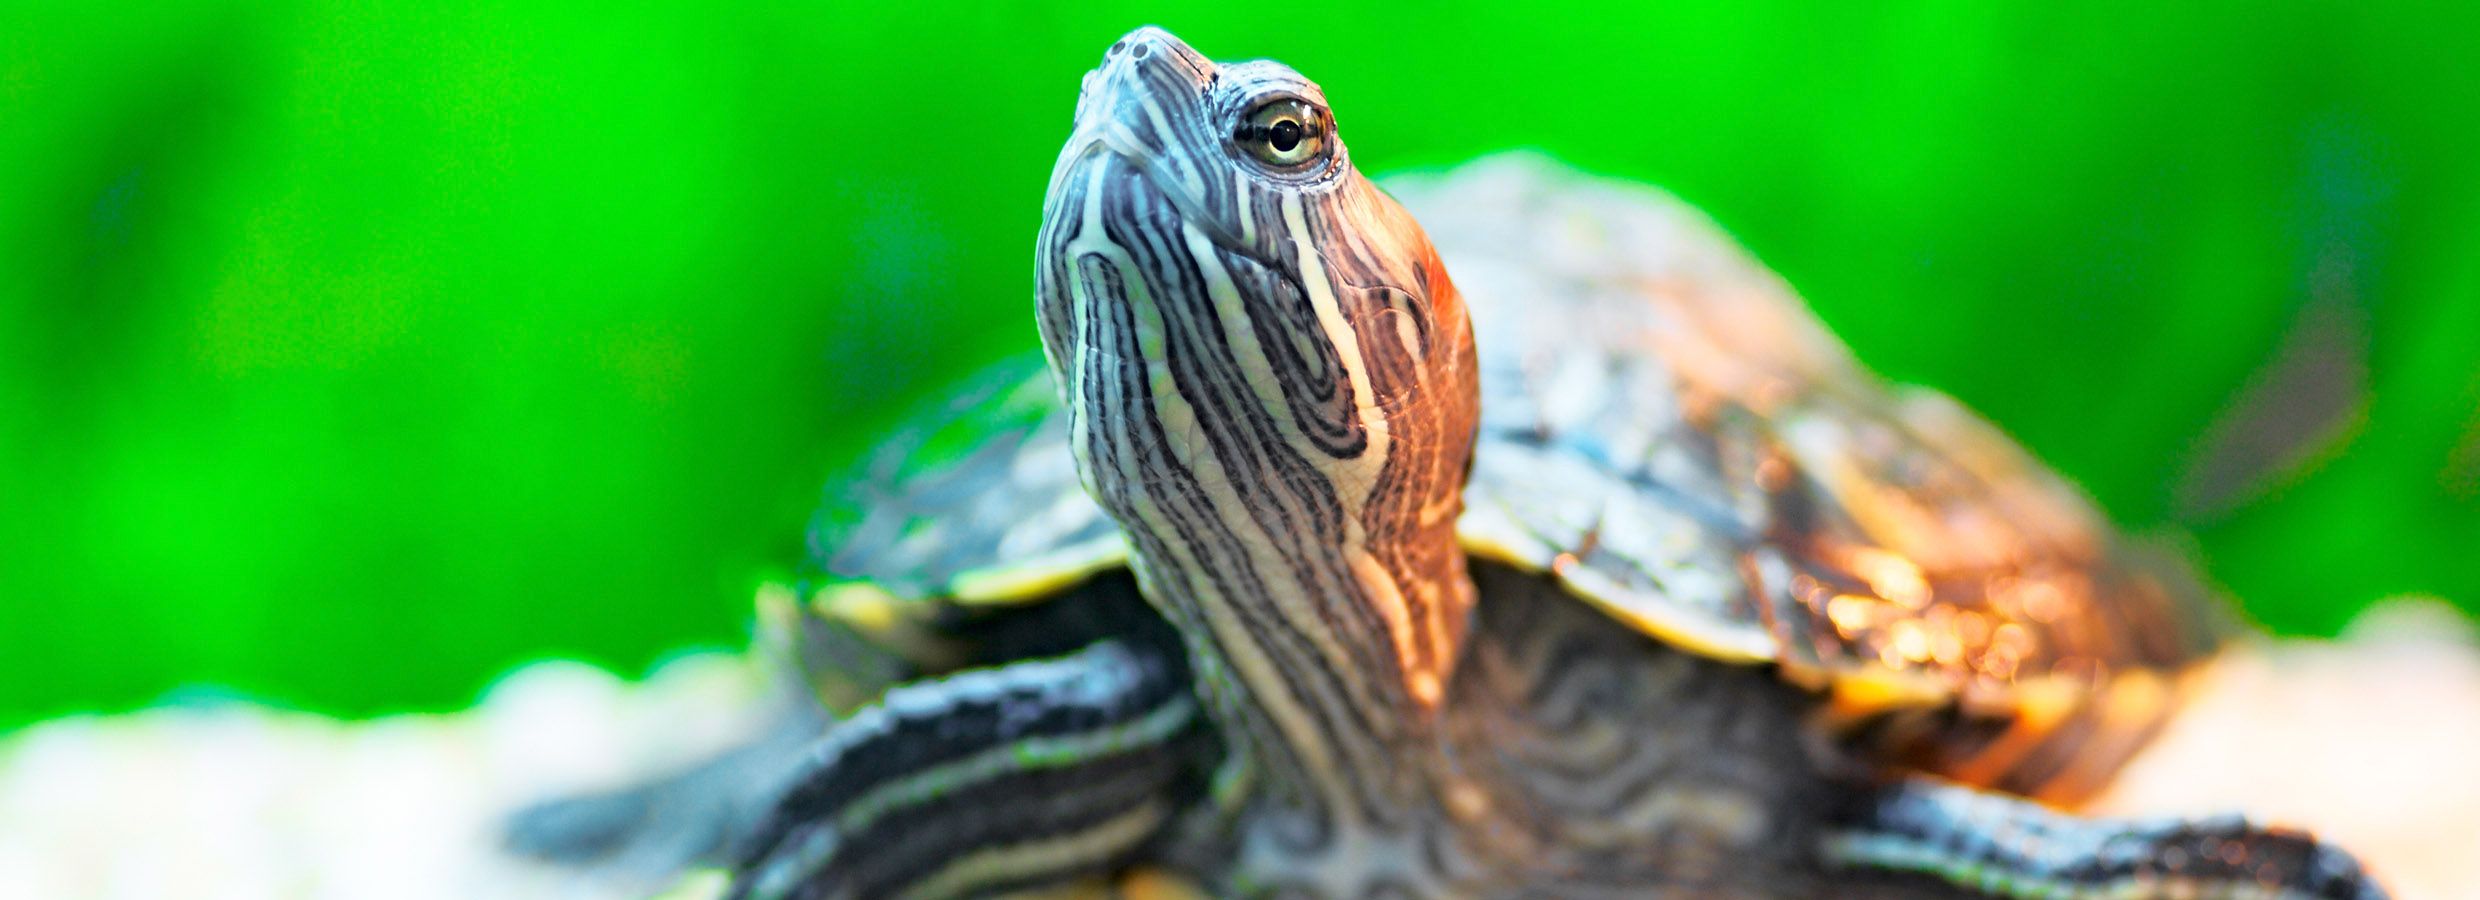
(1286, 133)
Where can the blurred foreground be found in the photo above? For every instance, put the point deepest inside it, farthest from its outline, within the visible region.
(2367, 740)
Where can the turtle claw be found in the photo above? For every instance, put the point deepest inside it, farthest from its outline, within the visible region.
(2010, 847)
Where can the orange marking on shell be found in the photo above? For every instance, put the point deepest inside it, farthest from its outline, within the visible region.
(2035, 718)
(2131, 708)
(1891, 576)
(1853, 615)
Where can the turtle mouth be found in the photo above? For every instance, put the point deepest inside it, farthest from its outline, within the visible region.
(1133, 166)
(1193, 208)
(1124, 116)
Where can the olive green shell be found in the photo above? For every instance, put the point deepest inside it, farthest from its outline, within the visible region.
(1672, 436)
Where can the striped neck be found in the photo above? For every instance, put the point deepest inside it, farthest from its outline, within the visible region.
(1271, 385)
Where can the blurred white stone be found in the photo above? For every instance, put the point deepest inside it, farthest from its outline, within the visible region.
(242, 801)
(2370, 741)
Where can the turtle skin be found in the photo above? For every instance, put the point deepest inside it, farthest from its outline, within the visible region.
(1725, 574)
(1672, 438)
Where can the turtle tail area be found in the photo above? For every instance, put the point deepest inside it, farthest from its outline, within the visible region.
(2009, 847)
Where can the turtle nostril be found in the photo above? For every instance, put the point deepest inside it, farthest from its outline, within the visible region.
(1141, 51)
(1116, 46)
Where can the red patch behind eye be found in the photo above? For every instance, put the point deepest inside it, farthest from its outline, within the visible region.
(1445, 302)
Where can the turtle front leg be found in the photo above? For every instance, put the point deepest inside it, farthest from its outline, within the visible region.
(1017, 776)
(2011, 847)
(652, 831)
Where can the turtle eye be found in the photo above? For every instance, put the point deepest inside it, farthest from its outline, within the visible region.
(1285, 133)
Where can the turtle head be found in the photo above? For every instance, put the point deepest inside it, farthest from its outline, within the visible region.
(1271, 378)
(1240, 164)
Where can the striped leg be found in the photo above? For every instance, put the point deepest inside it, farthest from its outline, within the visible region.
(1016, 776)
(700, 815)
(2015, 848)
(651, 832)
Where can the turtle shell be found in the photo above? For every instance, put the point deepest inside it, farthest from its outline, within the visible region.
(1670, 435)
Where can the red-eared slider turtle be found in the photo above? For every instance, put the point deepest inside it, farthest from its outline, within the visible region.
(1627, 581)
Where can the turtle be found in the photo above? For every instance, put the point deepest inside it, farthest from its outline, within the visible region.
(1301, 569)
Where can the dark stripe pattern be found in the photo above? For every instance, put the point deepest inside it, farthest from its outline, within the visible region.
(1271, 389)
(900, 798)
(2015, 848)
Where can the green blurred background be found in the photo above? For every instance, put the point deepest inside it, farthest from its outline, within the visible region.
(352, 353)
